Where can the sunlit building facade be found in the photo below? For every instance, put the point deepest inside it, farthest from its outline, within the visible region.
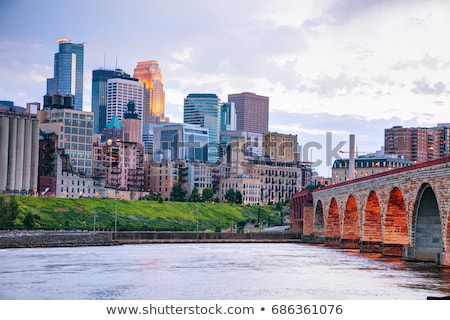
(149, 73)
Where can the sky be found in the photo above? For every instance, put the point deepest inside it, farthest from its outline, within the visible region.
(331, 68)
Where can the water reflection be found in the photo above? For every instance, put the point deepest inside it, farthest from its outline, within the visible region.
(214, 271)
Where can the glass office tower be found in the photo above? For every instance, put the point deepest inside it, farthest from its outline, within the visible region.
(68, 72)
(203, 109)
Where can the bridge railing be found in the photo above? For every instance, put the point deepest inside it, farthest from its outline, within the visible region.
(416, 166)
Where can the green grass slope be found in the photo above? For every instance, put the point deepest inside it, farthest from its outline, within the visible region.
(59, 213)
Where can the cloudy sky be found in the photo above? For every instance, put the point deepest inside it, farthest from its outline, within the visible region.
(339, 66)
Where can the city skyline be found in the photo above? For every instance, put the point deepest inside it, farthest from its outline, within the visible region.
(345, 67)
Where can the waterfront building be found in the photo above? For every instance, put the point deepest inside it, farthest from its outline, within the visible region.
(68, 71)
(279, 147)
(74, 129)
(250, 188)
(56, 177)
(418, 144)
(203, 109)
(19, 148)
(162, 176)
(180, 142)
(99, 94)
(149, 73)
(252, 112)
(120, 162)
(365, 166)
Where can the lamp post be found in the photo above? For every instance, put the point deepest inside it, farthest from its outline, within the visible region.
(115, 221)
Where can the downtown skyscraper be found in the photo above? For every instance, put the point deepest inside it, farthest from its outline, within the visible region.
(252, 112)
(149, 73)
(100, 93)
(68, 72)
(203, 109)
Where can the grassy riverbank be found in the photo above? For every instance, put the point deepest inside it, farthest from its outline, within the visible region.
(68, 214)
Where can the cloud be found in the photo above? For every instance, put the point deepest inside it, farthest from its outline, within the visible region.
(424, 87)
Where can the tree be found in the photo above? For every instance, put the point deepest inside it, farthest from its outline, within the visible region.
(230, 196)
(178, 193)
(9, 210)
(238, 197)
(207, 195)
(30, 220)
(195, 196)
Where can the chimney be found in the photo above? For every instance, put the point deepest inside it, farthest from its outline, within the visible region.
(351, 160)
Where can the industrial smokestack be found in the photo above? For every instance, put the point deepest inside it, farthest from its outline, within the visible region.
(351, 160)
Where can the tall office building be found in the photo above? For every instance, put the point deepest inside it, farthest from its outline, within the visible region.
(149, 73)
(120, 93)
(203, 109)
(68, 71)
(252, 112)
(99, 94)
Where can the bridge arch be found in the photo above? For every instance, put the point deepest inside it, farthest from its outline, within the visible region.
(372, 225)
(333, 226)
(350, 229)
(319, 223)
(427, 236)
(395, 231)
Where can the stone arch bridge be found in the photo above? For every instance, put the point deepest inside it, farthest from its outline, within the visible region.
(402, 212)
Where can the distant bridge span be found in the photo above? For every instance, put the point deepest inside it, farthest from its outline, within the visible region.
(403, 212)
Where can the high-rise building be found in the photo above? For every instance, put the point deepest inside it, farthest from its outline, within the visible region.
(252, 112)
(418, 144)
(74, 129)
(203, 109)
(149, 73)
(99, 94)
(120, 93)
(19, 148)
(68, 71)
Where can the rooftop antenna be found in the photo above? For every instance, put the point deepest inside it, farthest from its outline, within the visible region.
(116, 62)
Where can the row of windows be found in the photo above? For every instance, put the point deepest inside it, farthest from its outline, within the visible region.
(79, 131)
(76, 138)
(66, 114)
(78, 123)
(75, 146)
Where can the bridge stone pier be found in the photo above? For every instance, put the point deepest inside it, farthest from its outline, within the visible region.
(402, 212)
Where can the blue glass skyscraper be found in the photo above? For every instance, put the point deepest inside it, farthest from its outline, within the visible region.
(68, 72)
(203, 109)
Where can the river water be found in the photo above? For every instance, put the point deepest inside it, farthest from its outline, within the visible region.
(226, 271)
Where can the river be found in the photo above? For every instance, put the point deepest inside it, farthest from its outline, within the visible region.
(213, 271)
